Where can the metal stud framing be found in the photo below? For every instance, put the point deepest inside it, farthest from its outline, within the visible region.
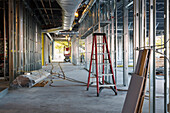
(125, 44)
(136, 33)
(152, 36)
(166, 51)
(115, 40)
(24, 40)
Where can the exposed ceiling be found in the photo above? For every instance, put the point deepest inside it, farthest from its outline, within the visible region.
(55, 13)
(69, 8)
(159, 14)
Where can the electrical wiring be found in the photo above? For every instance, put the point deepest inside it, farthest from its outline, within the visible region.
(61, 76)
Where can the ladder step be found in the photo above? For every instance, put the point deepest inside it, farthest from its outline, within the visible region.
(105, 74)
(102, 74)
(92, 77)
(102, 63)
(99, 46)
(101, 53)
(101, 43)
(107, 85)
(106, 59)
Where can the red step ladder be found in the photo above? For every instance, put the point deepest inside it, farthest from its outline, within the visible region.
(104, 84)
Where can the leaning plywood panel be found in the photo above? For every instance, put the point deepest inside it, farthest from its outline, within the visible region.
(133, 94)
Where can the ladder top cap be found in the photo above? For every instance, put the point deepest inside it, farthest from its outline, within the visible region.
(102, 34)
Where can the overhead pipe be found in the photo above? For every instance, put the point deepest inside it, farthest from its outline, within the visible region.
(69, 8)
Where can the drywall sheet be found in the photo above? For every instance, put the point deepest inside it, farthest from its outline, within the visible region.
(133, 94)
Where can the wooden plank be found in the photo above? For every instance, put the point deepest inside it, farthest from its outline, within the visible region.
(133, 94)
(41, 84)
(138, 62)
(140, 106)
(136, 92)
(143, 62)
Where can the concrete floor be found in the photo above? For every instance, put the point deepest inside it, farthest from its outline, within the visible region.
(67, 97)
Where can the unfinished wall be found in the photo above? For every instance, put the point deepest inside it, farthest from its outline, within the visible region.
(24, 39)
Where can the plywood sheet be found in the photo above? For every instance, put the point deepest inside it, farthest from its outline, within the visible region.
(133, 94)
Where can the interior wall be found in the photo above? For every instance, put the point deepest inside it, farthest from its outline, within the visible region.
(24, 39)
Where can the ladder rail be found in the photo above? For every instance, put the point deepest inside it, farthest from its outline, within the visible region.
(88, 83)
(97, 74)
(103, 60)
(110, 62)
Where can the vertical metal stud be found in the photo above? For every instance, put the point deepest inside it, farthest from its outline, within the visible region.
(115, 40)
(99, 27)
(152, 36)
(136, 32)
(141, 23)
(125, 43)
(4, 17)
(20, 21)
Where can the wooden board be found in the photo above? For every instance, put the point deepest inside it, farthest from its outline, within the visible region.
(138, 62)
(133, 94)
(41, 84)
(143, 62)
(140, 106)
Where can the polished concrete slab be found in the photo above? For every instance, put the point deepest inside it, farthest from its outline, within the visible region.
(64, 96)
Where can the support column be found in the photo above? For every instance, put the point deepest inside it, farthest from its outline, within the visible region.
(42, 37)
(152, 36)
(116, 50)
(166, 51)
(135, 32)
(125, 43)
(4, 17)
(11, 39)
(141, 23)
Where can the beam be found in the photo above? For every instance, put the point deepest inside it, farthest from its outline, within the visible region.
(45, 11)
(51, 12)
(40, 11)
(125, 43)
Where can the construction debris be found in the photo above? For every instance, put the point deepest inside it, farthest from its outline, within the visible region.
(30, 79)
